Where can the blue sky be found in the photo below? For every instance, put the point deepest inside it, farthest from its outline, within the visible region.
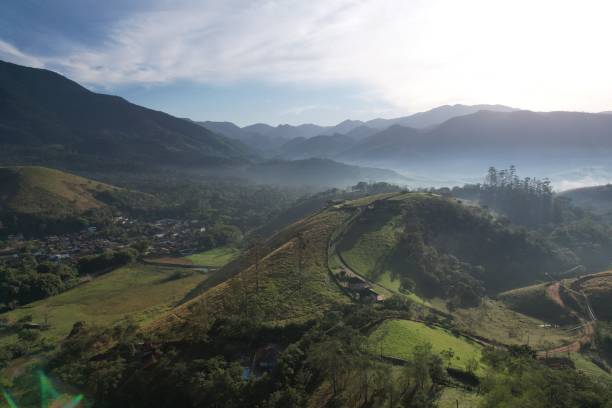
(321, 61)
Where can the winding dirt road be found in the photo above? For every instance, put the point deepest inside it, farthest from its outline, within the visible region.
(588, 327)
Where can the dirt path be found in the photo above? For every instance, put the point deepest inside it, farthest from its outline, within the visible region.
(552, 292)
(588, 327)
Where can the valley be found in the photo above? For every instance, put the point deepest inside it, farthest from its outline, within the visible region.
(339, 261)
(148, 260)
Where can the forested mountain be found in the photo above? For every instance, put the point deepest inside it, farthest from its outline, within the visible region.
(395, 142)
(47, 118)
(264, 143)
(318, 146)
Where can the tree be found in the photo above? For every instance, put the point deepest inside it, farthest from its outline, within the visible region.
(300, 248)
(330, 358)
(422, 378)
(448, 355)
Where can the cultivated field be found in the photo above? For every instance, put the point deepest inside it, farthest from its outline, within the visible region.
(138, 291)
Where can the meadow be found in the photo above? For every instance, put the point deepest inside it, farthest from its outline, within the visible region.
(139, 292)
(214, 258)
(398, 338)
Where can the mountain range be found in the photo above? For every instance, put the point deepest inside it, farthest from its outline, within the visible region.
(271, 139)
(467, 143)
(46, 115)
(47, 119)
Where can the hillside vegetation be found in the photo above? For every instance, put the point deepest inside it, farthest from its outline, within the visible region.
(139, 293)
(597, 199)
(39, 198)
(399, 338)
(535, 301)
(288, 282)
(439, 247)
(47, 118)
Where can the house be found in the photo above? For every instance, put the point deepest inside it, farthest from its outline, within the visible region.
(355, 283)
(369, 295)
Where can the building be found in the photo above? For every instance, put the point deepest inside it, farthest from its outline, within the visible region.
(355, 283)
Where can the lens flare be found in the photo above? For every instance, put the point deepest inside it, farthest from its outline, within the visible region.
(49, 396)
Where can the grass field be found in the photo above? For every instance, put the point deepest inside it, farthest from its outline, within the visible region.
(215, 258)
(466, 399)
(494, 320)
(398, 338)
(367, 245)
(140, 292)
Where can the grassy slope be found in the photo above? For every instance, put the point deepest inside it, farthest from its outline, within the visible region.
(216, 258)
(367, 246)
(533, 301)
(598, 288)
(450, 396)
(44, 191)
(140, 292)
(493, 320)
(370, 245)
(400, 337)
(283, 295)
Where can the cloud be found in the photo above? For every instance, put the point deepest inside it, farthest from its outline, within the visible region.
(549, 54)
(9, 52)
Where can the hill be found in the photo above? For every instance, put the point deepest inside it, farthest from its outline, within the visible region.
(292, 281)
(289, 283)
(598, 287)
(37, 197)
(47, 118)
(597, 199)
(537, 301)
(316, 173)
(436, 246)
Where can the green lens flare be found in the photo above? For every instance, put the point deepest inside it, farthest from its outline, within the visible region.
(49, 397)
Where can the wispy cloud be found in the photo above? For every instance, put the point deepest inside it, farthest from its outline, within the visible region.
(11, 53)
(549, 54)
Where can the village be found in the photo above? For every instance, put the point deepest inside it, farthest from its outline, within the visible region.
(165, 237)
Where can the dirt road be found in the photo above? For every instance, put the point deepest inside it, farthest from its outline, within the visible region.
(588, 327)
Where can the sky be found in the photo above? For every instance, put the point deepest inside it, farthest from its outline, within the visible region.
(320, 61)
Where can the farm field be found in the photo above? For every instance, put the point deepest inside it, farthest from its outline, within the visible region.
(138, 291)
(398, 338)
(215, 258)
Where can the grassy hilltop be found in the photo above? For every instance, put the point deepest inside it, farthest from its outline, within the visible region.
(38, 199)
